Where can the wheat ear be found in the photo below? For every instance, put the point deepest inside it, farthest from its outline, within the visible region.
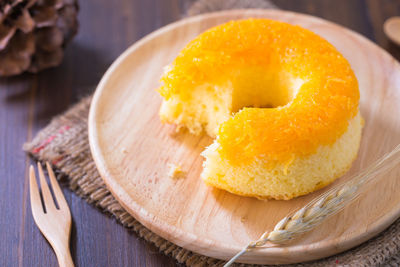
(324, 206)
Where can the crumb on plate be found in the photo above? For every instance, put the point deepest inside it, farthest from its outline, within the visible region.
(175, 171)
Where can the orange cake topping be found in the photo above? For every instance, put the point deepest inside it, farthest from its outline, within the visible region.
(292, 90)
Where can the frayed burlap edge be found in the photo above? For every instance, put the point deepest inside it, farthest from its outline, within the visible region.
(64, 143)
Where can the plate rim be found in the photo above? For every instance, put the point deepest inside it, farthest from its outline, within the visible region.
(158, 226)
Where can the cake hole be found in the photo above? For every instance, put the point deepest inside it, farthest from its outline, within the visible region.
(258, 88)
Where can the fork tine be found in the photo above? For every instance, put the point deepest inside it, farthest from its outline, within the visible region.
(47, 198)
(58, 194)
(34, 193)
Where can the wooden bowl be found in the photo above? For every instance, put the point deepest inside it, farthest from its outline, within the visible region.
(132, 150)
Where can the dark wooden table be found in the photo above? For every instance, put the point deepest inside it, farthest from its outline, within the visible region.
(28, 102)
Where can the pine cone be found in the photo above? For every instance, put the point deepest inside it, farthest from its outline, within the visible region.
(33, 33)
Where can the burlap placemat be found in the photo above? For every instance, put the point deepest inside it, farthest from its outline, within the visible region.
(64, 143)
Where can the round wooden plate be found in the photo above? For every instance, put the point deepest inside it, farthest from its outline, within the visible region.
(132, 150)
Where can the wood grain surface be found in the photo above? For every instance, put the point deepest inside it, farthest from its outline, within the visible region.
(28, 102)
(133, 151)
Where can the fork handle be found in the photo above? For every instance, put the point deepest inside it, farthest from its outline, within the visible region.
(64, 257)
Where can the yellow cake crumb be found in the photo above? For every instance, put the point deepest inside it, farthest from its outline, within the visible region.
(175, 171)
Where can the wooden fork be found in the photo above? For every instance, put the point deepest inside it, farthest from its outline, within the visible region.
(53, 222)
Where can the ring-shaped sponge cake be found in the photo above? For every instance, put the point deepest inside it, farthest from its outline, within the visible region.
(281, 102)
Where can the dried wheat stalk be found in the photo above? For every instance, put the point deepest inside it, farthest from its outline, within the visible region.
(324, 206)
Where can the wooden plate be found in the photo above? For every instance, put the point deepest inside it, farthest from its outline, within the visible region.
(132, 150)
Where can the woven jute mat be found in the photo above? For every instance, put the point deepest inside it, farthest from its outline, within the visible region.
(64, 143)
